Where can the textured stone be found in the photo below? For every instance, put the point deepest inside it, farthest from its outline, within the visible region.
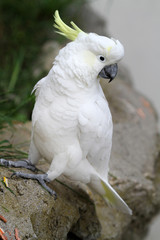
(134, 155)
(37, 215)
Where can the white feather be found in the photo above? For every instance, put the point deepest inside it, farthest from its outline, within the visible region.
(71, 120)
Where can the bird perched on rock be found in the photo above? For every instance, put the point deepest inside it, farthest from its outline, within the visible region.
(71, 120)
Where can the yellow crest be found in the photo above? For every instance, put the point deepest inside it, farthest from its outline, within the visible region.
(68, 32)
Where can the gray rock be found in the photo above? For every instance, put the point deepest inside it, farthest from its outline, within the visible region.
(36, 214)
(134, 155)
(73, 216)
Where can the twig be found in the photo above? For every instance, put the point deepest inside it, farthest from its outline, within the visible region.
(3, 219)
(3, 237)
(16, 234)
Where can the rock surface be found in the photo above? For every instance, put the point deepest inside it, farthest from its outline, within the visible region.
(134, 173)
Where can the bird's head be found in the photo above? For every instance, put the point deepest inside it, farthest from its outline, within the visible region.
(92, 56)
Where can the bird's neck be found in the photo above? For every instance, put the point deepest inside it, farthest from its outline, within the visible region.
(69, 85)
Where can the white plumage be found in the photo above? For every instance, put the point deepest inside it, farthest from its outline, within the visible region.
(71, 121)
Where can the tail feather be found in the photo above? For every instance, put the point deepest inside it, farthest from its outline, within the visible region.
(113, 198)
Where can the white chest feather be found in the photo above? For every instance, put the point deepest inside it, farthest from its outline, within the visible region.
(59, 121)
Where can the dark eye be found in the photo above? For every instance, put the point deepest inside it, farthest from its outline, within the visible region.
(102, 58)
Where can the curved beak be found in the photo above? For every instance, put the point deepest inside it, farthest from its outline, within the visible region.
(109, 72)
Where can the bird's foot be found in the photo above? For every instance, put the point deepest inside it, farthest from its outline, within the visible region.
(18, 164)
(41, 178)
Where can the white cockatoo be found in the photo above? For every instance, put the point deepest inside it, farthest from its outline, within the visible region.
(71, 120)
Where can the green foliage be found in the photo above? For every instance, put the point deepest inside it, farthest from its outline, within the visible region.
(24, 26)
(9, 151)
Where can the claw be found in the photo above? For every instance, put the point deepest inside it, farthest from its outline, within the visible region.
(41, 178)
(18, 164)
